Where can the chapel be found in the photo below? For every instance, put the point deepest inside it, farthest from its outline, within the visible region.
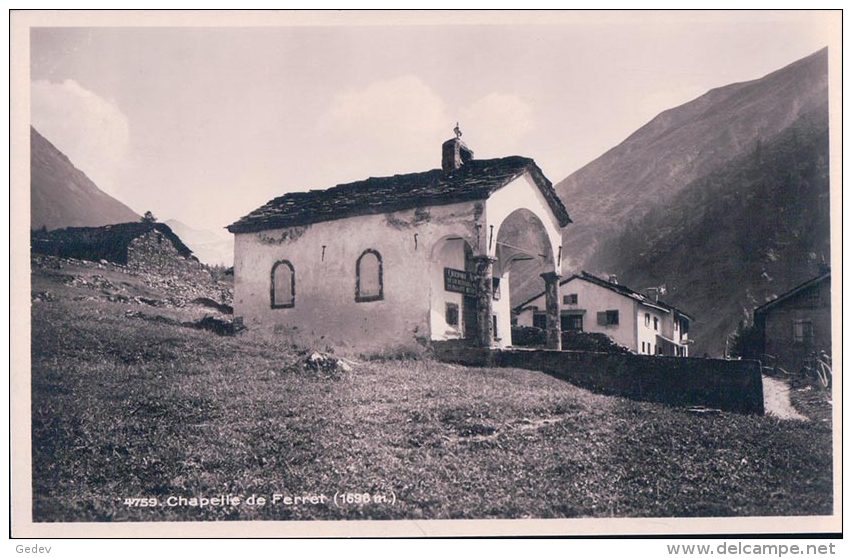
(398, 262)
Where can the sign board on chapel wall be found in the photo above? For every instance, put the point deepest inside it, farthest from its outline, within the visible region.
(458, 281)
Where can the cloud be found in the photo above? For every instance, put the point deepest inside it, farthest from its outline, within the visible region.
(389, 126)
(403, 105)
(497, 124)
(397, 125)
(92, 131)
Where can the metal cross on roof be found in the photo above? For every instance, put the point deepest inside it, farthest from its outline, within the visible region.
(457, 131)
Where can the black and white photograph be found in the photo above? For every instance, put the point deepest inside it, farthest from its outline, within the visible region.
(351, 273)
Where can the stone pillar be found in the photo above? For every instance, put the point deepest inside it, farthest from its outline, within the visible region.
(551, 301)
(482, 275)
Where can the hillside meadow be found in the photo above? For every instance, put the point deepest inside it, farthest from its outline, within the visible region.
(134, 416)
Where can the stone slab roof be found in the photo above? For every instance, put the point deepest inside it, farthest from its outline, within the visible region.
(792, 292)
(475, 180)
(616, 288)
(109, 242)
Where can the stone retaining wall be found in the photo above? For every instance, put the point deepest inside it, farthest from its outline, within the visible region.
(730, 385)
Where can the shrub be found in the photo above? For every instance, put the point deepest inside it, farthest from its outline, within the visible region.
(592, 342)
(527, 336)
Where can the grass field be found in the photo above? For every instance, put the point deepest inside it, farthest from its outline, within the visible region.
(125, 407)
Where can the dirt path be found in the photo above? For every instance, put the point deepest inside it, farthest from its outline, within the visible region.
(776, 400)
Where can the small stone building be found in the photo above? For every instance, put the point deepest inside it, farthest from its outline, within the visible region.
(142, 245)
(796, 324)
(401, 261)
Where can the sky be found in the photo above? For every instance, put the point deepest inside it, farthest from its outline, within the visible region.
(205, 124)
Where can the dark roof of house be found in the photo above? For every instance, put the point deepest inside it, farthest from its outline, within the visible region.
(475, 180)
(616, 288)
(668, 306)
(793, 292)
(109, 242)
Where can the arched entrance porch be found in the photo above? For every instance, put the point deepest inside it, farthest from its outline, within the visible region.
(453, 303)
(524, 255)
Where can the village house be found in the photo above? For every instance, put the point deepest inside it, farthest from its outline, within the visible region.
(144, 245)
(587, 303)
(796, 325)
(401, 261)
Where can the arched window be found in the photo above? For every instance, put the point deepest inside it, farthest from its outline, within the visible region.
(282, 291)
(368, 277)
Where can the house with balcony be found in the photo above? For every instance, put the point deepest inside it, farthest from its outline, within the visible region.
(641, 323)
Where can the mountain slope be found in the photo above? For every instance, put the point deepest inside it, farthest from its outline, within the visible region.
(732, 240)
(681, 145)
(63, 196)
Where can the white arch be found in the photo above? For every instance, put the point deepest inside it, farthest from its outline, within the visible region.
(522, 193)
(509, 249)
(448, 251)
(439, 244)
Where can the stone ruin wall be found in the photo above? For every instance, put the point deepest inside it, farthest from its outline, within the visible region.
(154, 252)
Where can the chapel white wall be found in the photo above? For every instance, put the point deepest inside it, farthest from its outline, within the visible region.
(326, 314)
